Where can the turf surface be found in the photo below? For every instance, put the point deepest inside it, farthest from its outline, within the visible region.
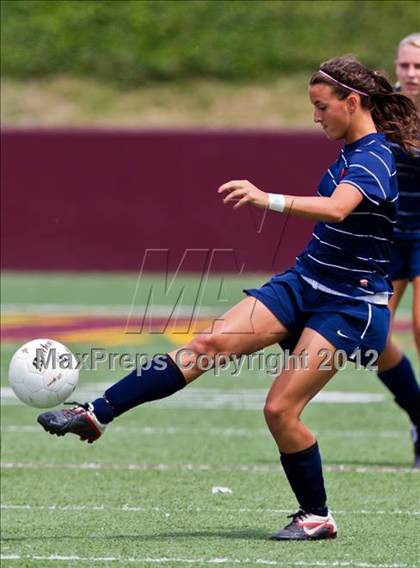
(142, 495)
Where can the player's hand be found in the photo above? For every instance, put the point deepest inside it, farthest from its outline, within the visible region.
(242, 191)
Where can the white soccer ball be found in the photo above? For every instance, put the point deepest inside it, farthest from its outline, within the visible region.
(43, 373)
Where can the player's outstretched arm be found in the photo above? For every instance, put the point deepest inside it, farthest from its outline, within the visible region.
(333, 209)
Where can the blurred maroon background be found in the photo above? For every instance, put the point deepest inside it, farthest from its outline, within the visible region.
(97, 200)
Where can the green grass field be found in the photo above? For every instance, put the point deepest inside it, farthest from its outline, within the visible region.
(142, 495)
(65, 100)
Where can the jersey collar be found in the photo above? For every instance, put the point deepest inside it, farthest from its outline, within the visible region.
(379, 136)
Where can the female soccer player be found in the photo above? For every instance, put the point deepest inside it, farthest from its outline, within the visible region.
(335, 297)
(395, 369)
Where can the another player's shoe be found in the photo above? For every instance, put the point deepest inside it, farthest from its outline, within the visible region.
(415, 436)
(79, 420)
(306, 526)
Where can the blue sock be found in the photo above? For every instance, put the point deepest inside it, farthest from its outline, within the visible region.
(160, 380)
(401, 381)
(304, 473)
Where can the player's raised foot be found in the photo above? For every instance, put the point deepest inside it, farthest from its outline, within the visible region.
(79, 420)
(415, 436)
(306, 526)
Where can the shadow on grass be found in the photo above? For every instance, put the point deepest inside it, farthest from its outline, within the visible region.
(240, 534)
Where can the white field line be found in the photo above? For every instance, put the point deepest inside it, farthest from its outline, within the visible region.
(218, 432)
(158, 310)
(205, 399)
(197, 561)
(252, 468)
(191, 509)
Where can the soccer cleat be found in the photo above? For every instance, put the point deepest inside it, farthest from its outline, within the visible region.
(79, 420)
(306, 526)
(415, 436)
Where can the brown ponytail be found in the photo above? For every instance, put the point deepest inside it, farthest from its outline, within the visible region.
(394, 114)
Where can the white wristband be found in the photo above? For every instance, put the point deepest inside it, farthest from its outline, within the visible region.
(276, 202)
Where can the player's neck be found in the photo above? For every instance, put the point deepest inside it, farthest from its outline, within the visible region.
(359, 129)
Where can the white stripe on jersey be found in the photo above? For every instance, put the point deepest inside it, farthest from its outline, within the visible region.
(371, 142)
(360, 189)
(371, 173)
(375, 214)
(368, 292)
(342, 267)
(332, 177)
(386, 148)
(357, 235)
(325, 243)
(344, 159)
(373, 259)
(384, 163)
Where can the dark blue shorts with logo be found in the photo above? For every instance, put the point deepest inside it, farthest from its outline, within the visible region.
(354, 326)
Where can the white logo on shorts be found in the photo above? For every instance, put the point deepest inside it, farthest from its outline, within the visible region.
(341, 334)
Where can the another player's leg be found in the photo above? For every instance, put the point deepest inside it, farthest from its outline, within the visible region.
(396, 371)
(299, 452)
(416, 311)
(415, 431)
(245, 328)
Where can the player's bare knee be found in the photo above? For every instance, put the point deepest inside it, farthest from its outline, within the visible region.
(278, 412)
(205, 344)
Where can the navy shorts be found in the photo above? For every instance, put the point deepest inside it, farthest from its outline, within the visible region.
(405, 260)
(355, 326)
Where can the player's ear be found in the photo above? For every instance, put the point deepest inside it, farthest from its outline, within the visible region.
(353, 102)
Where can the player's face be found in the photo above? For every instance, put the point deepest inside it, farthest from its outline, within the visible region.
(330, 112)
(407, 69)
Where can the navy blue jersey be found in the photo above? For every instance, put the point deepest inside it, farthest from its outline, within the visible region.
(352, 257)
(408, 175)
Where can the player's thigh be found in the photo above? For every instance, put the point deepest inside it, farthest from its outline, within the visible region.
(295, 387)
(245, 328)
(399, 269)
(399, 287)
(391, 355)
(249, 317)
